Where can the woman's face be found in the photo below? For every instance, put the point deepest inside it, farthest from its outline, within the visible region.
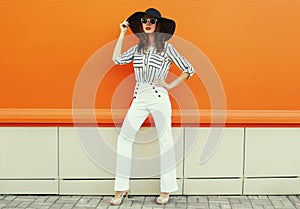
(149, 24)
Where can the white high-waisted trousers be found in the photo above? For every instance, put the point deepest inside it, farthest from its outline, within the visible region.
(148, 99)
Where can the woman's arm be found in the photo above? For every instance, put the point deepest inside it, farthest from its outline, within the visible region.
(179, 60)
(182, 63)
(162, 83)
(118, 47)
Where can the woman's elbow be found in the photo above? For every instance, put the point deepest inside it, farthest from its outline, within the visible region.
(115, 60)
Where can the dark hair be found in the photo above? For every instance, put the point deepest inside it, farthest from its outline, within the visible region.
(159, 39)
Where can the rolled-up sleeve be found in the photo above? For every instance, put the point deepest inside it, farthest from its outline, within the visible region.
(179, 60)
(125, 57)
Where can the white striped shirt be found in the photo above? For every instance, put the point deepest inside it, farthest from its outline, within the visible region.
(149, 66)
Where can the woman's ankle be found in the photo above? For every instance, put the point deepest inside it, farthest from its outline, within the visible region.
(118, 193)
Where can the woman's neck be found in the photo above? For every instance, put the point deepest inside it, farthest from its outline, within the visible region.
(151, 40)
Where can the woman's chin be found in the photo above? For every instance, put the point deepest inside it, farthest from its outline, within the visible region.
(148, 31)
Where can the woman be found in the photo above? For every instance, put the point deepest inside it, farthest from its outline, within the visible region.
(151, 61)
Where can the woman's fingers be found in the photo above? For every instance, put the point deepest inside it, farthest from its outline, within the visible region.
(156, 82)
(124, 25)
(159, 82)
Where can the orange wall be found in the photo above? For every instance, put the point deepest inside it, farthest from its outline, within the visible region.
(254, 45)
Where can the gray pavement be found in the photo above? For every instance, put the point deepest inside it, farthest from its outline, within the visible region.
(148, 202)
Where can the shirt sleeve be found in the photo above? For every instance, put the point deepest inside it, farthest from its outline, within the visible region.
(179, 60)
(125, 57)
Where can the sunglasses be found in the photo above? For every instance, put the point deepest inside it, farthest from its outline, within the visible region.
(151, 20)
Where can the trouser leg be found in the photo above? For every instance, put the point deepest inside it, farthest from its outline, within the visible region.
(162, 118)
(132, 122)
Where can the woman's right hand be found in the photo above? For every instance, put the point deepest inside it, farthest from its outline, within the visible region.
(124, 26)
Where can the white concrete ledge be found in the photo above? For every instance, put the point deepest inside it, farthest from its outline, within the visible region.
(111, 116)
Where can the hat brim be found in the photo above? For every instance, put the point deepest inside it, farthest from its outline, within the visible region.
(167, 25)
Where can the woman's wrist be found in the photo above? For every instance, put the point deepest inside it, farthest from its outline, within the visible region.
(122, 34)
(175, 83)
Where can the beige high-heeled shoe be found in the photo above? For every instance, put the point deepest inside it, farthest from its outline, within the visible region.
(162, 200)
(119, 200)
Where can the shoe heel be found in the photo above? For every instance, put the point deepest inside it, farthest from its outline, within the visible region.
(127, 194)
(119, 200)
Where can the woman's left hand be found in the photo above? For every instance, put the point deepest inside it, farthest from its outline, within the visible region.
(161, 83)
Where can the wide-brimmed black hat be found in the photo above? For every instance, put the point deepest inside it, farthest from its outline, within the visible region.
(167, 25)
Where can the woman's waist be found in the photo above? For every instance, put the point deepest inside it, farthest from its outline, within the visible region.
(148, 87)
